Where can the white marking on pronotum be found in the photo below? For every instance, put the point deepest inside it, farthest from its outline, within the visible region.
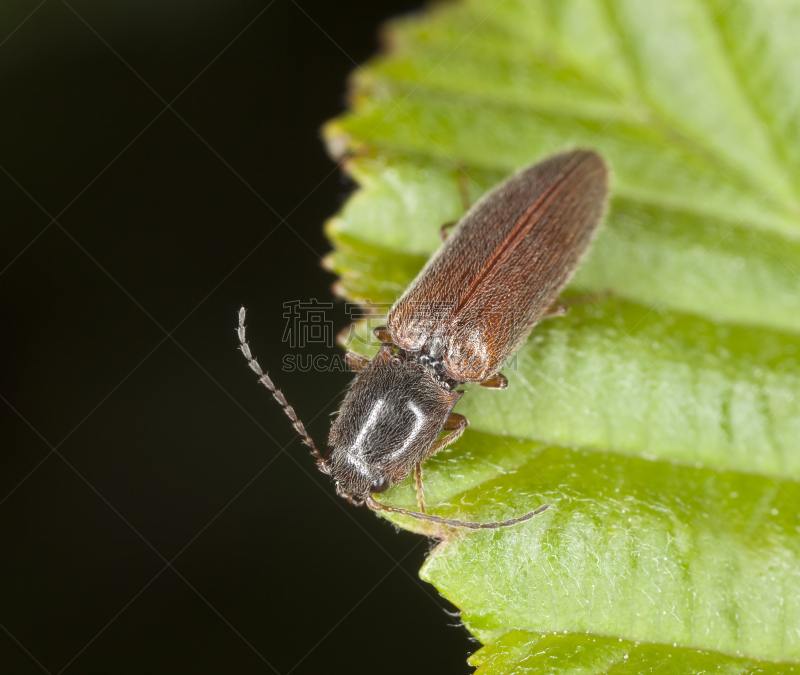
(359, 464)
(356, 451)
(415, 431)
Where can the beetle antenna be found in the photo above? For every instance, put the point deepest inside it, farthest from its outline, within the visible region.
(377, 506)
(276, 393)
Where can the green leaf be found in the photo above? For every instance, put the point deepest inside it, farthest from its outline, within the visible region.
(631, 548)
(616, 376)
(521, 652)
(661, 422)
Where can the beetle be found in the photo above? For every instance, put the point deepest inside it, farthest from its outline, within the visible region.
(497, 274)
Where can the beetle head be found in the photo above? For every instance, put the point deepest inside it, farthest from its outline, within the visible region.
(389, 419)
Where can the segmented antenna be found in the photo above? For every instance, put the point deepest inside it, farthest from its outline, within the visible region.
(276, 393)
(377, 506)
(369, 500)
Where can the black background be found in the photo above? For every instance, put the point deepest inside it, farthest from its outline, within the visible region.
(157, 512)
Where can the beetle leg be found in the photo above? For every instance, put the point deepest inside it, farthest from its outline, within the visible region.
(355, 362)
(444, 230)
(383, 334)
(561, 307)
(558, 308)
(455, 424)
(418, 482)
(496, 381)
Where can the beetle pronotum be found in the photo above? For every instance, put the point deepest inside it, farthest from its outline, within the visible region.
(469, 309)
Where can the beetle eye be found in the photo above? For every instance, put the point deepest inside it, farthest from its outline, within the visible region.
(380, 485)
